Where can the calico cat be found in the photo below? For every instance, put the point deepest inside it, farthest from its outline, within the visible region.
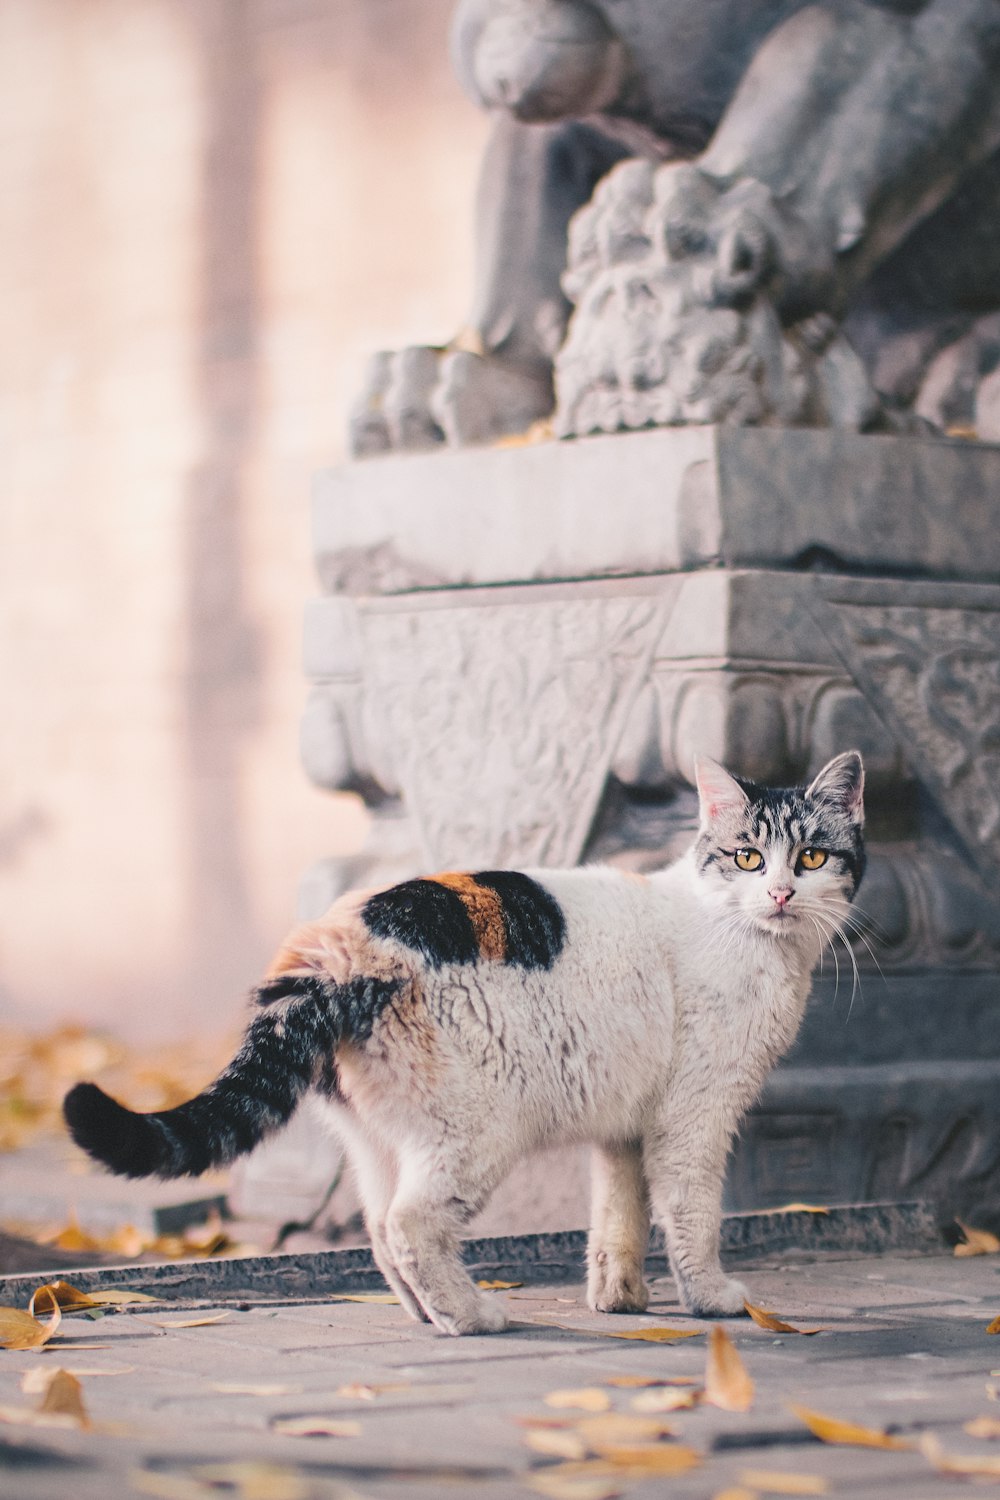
(449, 1025)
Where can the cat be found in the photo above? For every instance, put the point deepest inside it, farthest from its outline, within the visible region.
(449, 1025)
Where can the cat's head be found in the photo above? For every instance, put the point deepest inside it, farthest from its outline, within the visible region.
(786, 860)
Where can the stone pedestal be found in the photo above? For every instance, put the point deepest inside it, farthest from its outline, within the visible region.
(518, 653)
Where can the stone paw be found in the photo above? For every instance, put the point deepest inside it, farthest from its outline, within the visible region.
(722, 1298)
(617, 1289)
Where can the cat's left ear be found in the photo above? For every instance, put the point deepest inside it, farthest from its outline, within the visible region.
(842, 783)
(718, 792)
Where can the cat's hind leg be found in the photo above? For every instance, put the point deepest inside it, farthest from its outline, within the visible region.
(431, 1207)
(685, 1173)
(619, 1230)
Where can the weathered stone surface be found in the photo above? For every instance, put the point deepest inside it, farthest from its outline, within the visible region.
(651, 502)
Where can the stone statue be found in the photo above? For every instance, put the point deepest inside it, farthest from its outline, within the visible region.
(764, 212)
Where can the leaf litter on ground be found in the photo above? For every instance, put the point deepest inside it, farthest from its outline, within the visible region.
(61, 1405)
(780, 1482)
(319, 1425)
(727, 1381)
(22, 1330)
(769, 1320)
(976, 1241)
(853, 1434)
(589, 1398)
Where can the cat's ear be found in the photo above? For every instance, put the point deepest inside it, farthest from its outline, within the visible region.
(718, 792)
(842, 784)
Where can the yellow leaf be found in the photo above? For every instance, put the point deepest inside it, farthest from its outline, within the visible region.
(983, 1427)
(235, 1388)
(633, 1382)
(590, 1480)
(253, 1480)
(800, 1208)
(777, 1482)
(36, 1380)
(977, 1241)
(19, 1330)
(993, 1327)
(120, 1297)
(170, 1486)
(656, 1458)
(727, 1382)
(68, 1297)
(556, 1442)
(738, 1492)
(618, 1427)
(64, 1397)
(498, 1286)
(667, 1398)
(648, 1335)
(317, 1426)
(765, 1319)
(361, 1392)
(385, 1297)
(833, 1430)
(986, 1467)
(587, 1399)
(189, 1322)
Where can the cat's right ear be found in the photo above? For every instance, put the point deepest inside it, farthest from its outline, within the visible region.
(718, 792)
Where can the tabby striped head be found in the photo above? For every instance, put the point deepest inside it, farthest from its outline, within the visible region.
(785, 860)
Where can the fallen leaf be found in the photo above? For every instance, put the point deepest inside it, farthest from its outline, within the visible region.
(633, 1382)
(498, 1286)
(833, 1430)
(587, 1399)
(983, 1427)
(556, 1442)
(993, 1327)
(773, 1324)
(777, 1482)
(667, 1398)
(589, 1480)
(977, 1241)
(115, 1296)
(68, 1297)
(656, 1458)
(738, 1492)
(648, 1335)
(20, 1330)
(317, 1426)
(189, 1322)
(618, 1427)
(985, 1467)
(255, 1480)
(386, 1297)
(362, 1392)
(63, 1397)
(800, 1208)
(235, 1388)
(727, 1382)
(170, 1486)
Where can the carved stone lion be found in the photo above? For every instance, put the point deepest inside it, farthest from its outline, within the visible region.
(755, 211)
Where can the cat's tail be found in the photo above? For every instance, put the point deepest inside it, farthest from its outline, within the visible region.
(284, 1051)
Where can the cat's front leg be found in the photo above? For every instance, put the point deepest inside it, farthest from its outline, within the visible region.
(619, 1232)
(685, 1181)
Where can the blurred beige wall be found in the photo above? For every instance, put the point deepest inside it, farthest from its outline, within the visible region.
(212, 210)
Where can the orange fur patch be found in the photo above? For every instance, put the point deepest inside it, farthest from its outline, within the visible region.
(485, 911)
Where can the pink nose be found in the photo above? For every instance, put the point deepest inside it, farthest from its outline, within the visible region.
(781, 895)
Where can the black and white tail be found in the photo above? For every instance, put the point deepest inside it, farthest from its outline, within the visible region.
(282, 1053)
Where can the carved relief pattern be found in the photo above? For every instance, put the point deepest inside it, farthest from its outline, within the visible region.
(935, 675)
(502, 721)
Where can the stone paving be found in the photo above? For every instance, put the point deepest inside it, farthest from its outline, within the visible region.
(904, 1347)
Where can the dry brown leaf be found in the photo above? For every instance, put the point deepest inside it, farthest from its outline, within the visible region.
(619, 1427)
(36, 1380)
(589, 1480)
(778, 1482)
(727, 1382)
(319, 1425)
(253, 1479)
(634, 1382)
(977, 1241)
(993, 1327)
(386, 1297)
(667, 1398)
(648, 1335)
(983, 1427)
(498, 1286)
(188, 1322)
(773, 1324)
(68, 1297)
(20, 1330)
(116, 1296)
(984, 1467)
(64, 1398)
(737, 1492)
(555, 1442)
(800, 1208)
(587, 1399)
(656, 1458)
(237, 1388)
(833, 1430)
(171, 1486)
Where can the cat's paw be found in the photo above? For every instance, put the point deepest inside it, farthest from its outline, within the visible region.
(617, 1288)
(722, 1298)
(486, 1315)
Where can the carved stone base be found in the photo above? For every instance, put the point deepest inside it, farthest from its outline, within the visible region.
(536, 718)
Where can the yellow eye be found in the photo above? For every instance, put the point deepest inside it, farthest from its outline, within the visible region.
(812, 859)
(749, 859)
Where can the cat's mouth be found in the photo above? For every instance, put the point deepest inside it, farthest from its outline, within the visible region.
(779, 919)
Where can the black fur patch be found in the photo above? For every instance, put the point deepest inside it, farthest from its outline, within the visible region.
(532, 918)
(427, 917)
